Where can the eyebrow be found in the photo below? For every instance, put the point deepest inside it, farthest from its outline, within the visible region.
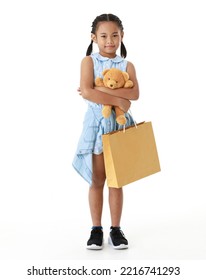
(106, 33)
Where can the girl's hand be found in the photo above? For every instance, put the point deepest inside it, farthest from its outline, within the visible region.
(79, 91)
(124, 104)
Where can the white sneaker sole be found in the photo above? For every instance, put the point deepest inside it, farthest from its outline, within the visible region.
(94, 247)
(120, 247)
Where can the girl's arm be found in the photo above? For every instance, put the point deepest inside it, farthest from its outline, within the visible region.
(92, 94)
(128, 93)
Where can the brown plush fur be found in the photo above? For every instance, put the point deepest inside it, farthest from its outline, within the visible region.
(114, 78)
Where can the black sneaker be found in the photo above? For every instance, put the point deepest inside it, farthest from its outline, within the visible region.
(95, 241)
(117, 238)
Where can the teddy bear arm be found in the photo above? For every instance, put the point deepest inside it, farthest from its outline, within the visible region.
(99, 82)
(128, 84)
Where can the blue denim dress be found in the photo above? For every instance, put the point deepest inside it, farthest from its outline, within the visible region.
(94, 124)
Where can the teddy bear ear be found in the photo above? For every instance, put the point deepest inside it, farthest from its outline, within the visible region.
(105, 71)
(126, 76)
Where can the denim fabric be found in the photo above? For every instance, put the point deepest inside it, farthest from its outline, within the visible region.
(101, 63)
(94, 125)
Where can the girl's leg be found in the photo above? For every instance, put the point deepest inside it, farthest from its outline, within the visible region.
(116, 204)
(116, 237)
(96, 189)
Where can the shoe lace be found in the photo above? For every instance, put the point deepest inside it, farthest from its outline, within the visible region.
(117, 232)
(96, 233)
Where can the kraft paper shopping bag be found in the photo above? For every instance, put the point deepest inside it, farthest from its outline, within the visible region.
(130, 154)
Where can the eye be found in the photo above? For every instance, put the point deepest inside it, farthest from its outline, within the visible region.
(116, 82)
(108, 79)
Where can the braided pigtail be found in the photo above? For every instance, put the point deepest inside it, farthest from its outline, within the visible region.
(90, 48)
(123, 50)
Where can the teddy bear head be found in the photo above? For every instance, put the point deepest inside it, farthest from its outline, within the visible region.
(114, 78)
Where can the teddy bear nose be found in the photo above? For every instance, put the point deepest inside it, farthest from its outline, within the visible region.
(111, 85)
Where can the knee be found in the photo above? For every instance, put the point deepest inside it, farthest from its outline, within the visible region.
(98, 182)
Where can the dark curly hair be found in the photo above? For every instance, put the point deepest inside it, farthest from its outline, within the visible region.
(107, 17)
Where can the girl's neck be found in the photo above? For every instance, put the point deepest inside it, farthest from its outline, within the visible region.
(109, 55)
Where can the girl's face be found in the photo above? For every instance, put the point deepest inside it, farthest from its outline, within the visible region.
(108, 37)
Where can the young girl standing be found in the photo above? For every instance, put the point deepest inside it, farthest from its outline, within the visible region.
(107, 33)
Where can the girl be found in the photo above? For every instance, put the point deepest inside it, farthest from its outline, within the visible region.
(107, 33)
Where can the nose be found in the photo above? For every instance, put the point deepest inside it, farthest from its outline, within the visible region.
(109, 40)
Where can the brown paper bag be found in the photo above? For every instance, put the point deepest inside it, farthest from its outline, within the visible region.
(130, 154)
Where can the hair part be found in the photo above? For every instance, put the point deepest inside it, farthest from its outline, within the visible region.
(107, 17)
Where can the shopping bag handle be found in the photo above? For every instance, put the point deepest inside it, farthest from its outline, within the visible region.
(135, 123)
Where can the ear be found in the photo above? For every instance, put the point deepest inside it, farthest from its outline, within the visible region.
(94, 38)
(126, 76)
(105, 71)
(122, 35)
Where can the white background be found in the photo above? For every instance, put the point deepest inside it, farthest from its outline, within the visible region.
(44, 211)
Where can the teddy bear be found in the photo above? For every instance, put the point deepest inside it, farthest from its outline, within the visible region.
(114, 78)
